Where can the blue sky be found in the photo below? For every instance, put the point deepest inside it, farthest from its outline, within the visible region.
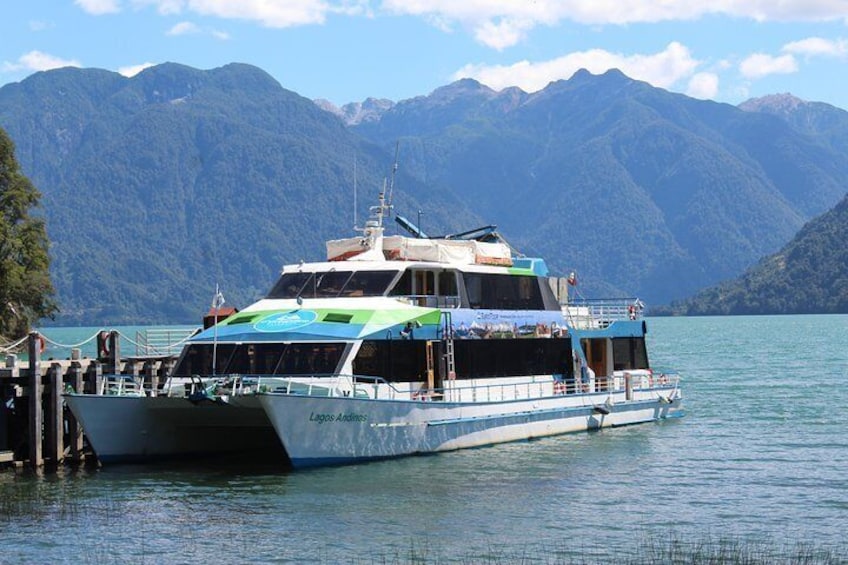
(345, 51)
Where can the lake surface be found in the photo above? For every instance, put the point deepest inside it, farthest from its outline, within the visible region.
(762, 454)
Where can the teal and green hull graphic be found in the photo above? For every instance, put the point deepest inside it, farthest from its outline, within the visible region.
(304, 324)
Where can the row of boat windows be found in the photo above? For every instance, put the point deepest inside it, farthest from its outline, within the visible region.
(430, 287)
(260, 359)
(394, 360)
(406, 360)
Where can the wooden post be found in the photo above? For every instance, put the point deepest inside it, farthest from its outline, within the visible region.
(36, 415)
(94, 378)
(53, 428)
(115, 352)
(74, 430)
(151, 379)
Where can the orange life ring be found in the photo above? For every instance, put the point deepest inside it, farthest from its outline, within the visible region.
(42, 344)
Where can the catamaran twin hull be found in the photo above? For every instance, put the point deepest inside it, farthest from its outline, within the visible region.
(124, 429)
(318, 431)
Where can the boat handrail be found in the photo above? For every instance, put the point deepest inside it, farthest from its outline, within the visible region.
(358, 385)
(120, 385)
(337, 384)
(601, 312)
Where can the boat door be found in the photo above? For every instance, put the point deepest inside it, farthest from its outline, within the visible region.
(597, 355)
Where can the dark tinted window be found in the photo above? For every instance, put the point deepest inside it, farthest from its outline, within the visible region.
(629, 353)
(404, 285)
(368, 283)
(289, 285)
(481, 358)
(393, 360)
(261, 359)
(503, 292)
(406, 361)
(332, 283)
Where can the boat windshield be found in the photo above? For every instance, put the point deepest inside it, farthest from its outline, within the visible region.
(260, 359)
(332, 284)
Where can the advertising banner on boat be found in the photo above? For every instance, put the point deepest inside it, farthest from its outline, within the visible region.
(505, 324)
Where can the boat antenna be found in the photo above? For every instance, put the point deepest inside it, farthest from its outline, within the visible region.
(394, 172)
(355, 222)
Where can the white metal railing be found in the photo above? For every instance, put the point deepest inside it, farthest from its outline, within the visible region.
(161, 341)
(120, 385)
(586, 313)
(360, 386)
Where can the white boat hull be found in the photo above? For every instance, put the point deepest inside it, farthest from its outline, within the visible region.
(318, 431)
(140, 428)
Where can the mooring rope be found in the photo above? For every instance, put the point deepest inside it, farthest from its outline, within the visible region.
(72, 345)
(14, 345)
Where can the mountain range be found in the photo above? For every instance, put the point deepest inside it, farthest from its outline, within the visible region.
(159, 186)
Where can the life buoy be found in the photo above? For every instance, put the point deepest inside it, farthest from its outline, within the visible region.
(103, 344)
(42, 344)
(631, 311)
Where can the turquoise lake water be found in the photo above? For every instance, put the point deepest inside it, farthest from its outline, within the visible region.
(762, 454)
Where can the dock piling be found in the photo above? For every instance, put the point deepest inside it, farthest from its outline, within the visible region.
(36, 428)
(36, 413)
(54, 424)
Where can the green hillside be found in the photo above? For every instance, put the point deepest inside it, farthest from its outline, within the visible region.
(808, 276)
(160, 186)
(157, 187)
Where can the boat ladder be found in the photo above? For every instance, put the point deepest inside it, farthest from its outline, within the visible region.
(447, 337)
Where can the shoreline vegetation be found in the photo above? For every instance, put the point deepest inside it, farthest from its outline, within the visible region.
(708, 550)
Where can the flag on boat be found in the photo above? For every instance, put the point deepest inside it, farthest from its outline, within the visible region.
(218, 299)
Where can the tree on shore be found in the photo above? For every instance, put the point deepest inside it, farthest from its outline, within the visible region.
(26, 291)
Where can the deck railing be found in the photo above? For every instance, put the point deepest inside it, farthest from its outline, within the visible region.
(161, 341)
(363, 386)
(587, 313)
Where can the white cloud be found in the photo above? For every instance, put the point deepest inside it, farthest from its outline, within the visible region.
(813, 46)
(38, 61)
(132, 70)
(190, 28)
(502, 23)
(271, 13)
(703, 86)
(99, 7)
(760, 65)
(661, 69)
(164, 7)
(505, 33)
(183, 28)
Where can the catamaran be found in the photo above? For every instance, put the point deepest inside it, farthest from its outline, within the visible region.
(419, 345)
(396, 345)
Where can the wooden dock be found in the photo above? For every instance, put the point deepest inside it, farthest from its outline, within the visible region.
(36, 428)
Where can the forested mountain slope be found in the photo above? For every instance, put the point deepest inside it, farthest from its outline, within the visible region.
(157, 187)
